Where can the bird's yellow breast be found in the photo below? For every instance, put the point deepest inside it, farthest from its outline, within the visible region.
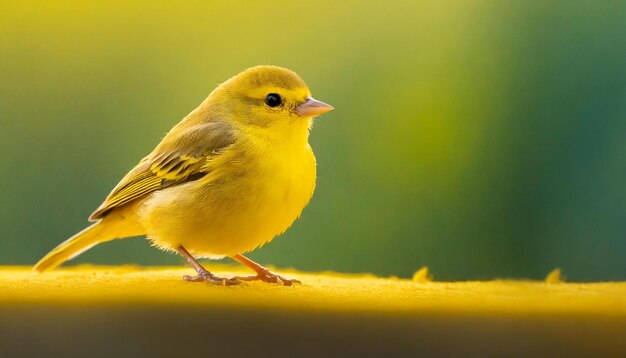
(255, 191)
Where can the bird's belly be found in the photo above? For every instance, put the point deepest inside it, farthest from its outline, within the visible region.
(237, 213)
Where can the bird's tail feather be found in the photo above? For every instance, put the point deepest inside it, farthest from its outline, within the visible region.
(74, 246)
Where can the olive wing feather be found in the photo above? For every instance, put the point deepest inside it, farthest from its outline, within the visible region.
(178, 159)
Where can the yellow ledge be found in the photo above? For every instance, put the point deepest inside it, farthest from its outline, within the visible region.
(406, 314)
(325, 291)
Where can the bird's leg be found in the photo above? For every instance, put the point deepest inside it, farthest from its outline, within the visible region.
(204, 274)
(262, 273)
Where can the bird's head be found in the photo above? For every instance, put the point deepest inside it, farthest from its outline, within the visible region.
(269, 96)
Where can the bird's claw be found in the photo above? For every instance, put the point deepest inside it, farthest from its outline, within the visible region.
(269, 277)
(212, 279)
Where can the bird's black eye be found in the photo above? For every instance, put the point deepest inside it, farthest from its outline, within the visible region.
(273, 100)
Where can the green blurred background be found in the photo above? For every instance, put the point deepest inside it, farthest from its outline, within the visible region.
(481, 138)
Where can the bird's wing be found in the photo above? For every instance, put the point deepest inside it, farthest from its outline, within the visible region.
(185, 160)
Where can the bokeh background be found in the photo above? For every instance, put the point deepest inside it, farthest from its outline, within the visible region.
(481, 138)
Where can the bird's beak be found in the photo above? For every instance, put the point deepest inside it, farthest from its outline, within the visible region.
(312, 107)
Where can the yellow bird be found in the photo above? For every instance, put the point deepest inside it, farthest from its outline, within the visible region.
(233, 174)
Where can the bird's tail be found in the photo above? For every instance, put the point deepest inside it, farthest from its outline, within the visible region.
(74, 246)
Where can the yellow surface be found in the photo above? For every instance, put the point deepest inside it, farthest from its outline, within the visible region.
(96, 285)
(100, 311)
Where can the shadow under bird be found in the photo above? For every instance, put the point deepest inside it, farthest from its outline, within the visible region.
(233, 174)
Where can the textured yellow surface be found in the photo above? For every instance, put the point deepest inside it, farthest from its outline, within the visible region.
(132, 311)
(325, 291)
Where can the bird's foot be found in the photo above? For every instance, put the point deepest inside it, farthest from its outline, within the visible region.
(269, 277)
(206, 276)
